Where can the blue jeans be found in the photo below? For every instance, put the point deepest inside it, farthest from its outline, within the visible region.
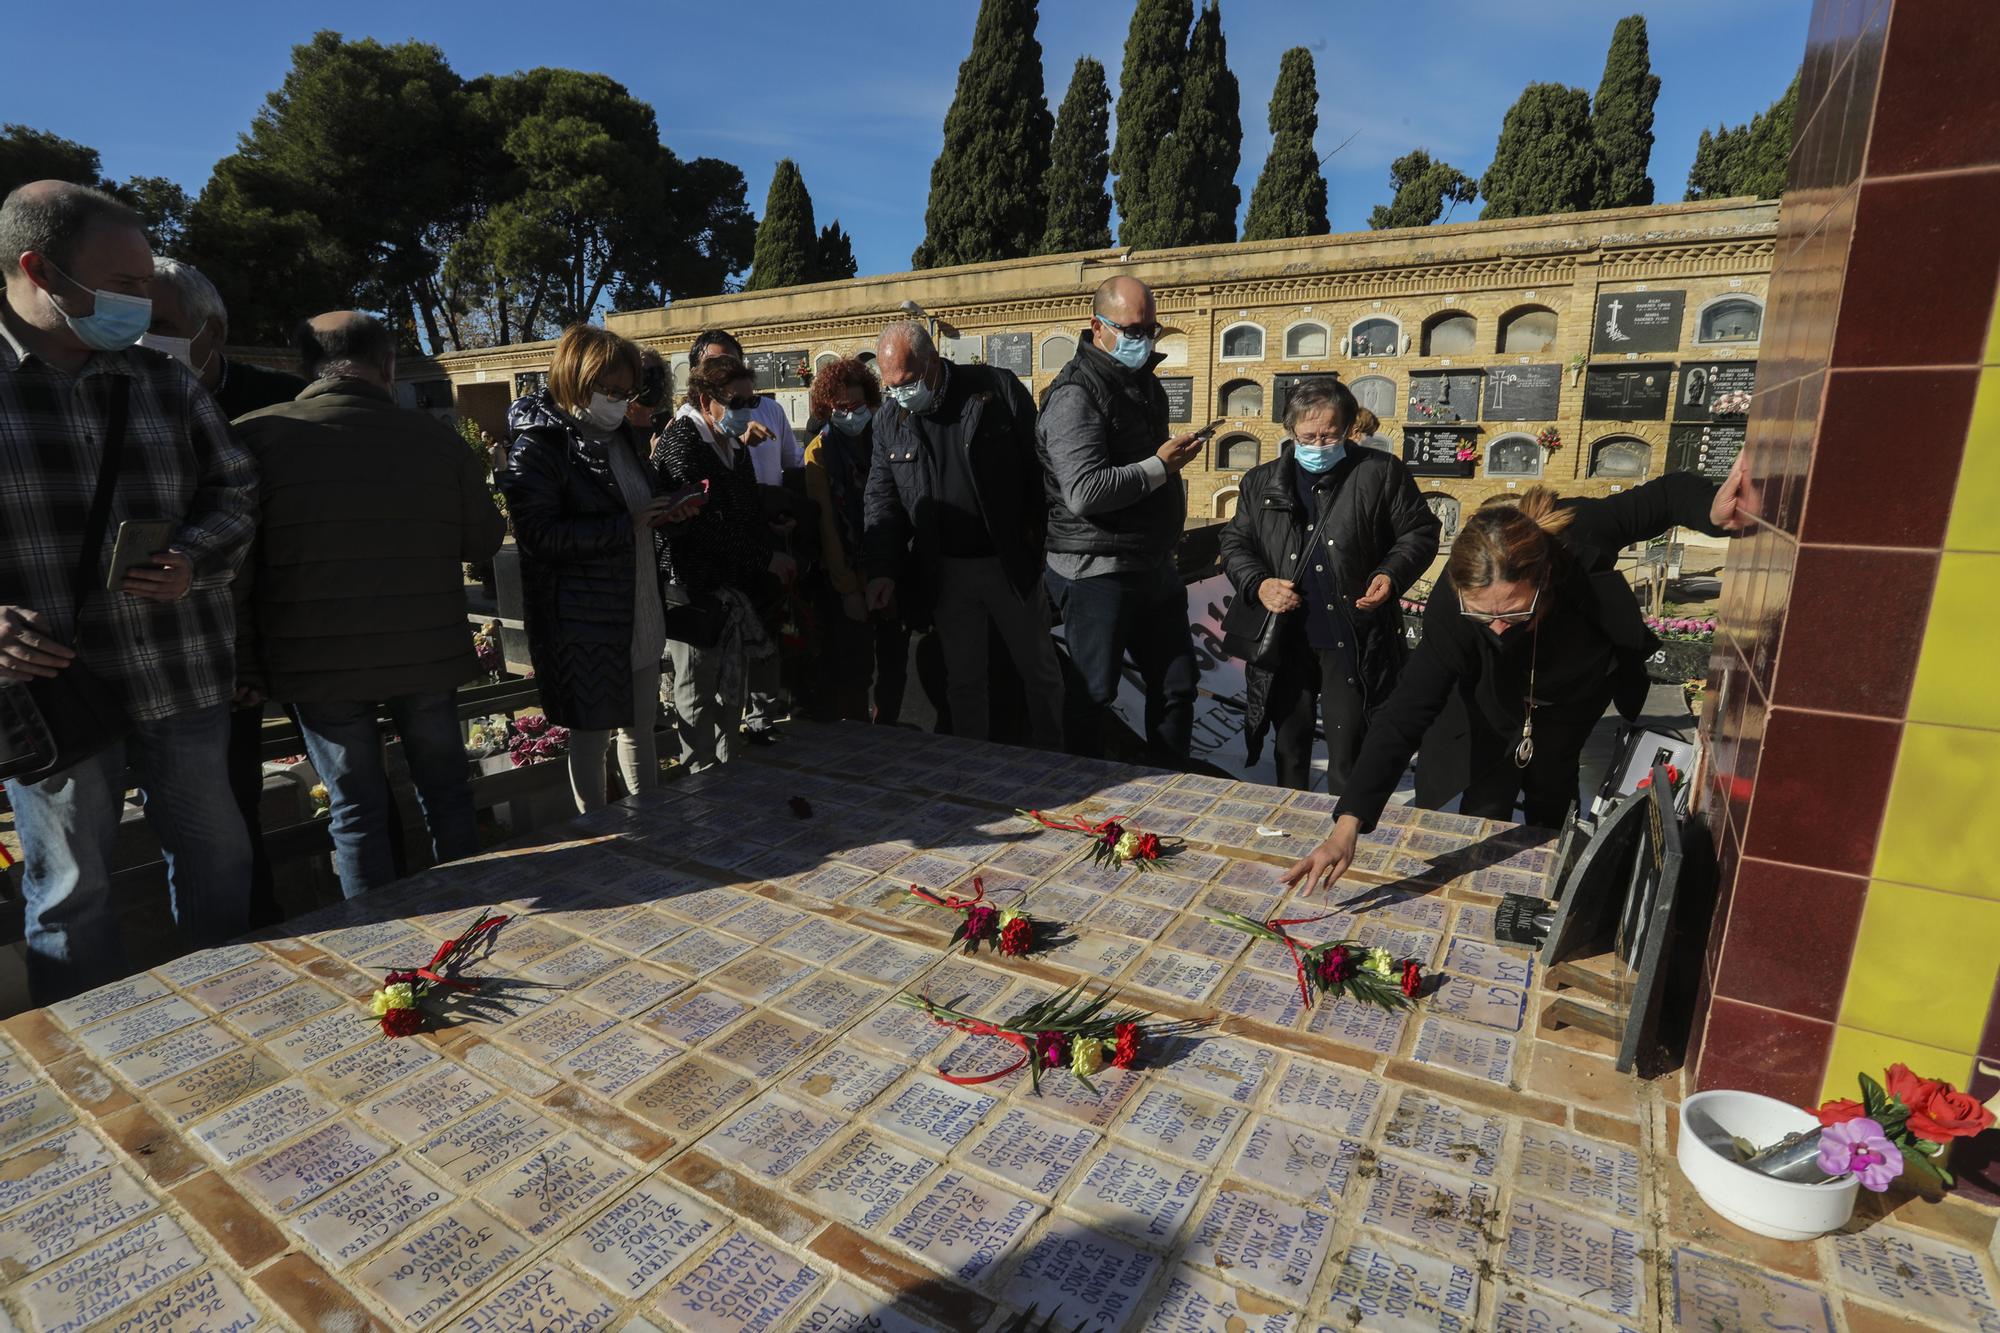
(1145, 614)
(69, 824)
(345, 746)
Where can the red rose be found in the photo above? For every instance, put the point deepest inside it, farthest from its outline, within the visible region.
(402, 1022)
(1413, 979)
(1840, 1111)
(1127, 1052)
(1938, 1111)
(1148, 848)
(1017, 937)
(1906, 1087)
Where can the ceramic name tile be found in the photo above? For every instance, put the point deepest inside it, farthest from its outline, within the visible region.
(52, 1164)
(264, 1121)
(1102, 1280)
(208, 1088)
(27, 1116)
(1498, 880)
(1201, 936)
(57, 1223)
(193, 969)
(553, 1184)
(479, 1145)
(1193, 1302)
(646, 1234)
(1031, 1151)
(1434, 1208)
(631, 989)
(282, 1009)
(1719, 1296)
(1354, 1023)
(1474, 922)
(843, 1308)
(615, 1061)
(1581, 1171)
(135, 1027)
(830, 883)
(1271, 1000)
(931, 1113)
(764, 1043)
(1386, 1286)
(372, 937)
(1343, 1100)
(829, 1001)
(574, 967)
(886, 961)
(1295, 1162)
(1918, 1274)
(771, 1136)
(16, 1075)
(94, 1006)
(1223, 1067)
(1520, 1310)
(1483, 1002)
(688, 1096)
(110, 1275)
(542, 1297)
(1136, 1195)
(1141, 921)
(694, 1016)
(844, 1079)
(741, 1286)
(205, 1302)
(361, 1073)
(699, 952)
(420, 1109)
(1181, 1124)
(360, 1216)
(1161, 890)
(1103, 956)
(644, 931)
(1459, 1139)
(1471, 958)
(1065, 1095)
(965, 1227)
(899, 1031)
(1575, 1255)
(1463, 1049)
(1266, 1244)
(321, 1039)
(762, 920)
(303, 1171)
(426, 1273)
(864, 1178)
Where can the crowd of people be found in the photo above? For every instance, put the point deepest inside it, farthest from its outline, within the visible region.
(186, 541)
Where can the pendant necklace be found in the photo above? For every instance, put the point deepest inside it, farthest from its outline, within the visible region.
(1524, 753)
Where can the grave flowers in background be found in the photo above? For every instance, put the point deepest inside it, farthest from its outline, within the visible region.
(1009, 930)
(1114, 843)
(1682, 629)
(399, 1006)
(1338, 967)
(533, 738)
(1071, 1031)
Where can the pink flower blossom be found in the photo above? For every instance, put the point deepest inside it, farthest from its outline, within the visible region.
(1858, 1147)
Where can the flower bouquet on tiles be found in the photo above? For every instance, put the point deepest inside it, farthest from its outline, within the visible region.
(400, 1005)
(1901, 1129)
(1338, 967)
(1072, 1030)
(1010, 930)
(1113, 843)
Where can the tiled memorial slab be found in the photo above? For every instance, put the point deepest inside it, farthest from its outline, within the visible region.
(704, 1108)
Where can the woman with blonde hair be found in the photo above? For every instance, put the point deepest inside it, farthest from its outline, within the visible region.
(1531, 634)
(584, 505)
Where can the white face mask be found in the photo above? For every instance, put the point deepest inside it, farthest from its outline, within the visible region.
(180, 349)
(604, 412)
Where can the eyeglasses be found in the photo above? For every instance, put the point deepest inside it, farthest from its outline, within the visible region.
(623, 396)
(1319, 441)
(1505, 617)
(1153, 330)
(746, 403)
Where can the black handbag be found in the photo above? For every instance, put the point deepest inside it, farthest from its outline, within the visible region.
(50, 725)
(694, 619)
(1254, 632)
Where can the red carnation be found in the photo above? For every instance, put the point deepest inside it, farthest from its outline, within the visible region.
(1127, 1052)
(1111, 833)
(1148, 848)
(1335, 966)
(1017, 937)
(402, 1022)
(1840, 1112)
(1053, 1048)
(399, 978)
(1413, 979)
(979, 922)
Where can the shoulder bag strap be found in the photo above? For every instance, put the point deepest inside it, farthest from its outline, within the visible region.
(117, 411)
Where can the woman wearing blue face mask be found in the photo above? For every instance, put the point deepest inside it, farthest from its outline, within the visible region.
(1324, 539)
(867, 646)
(719, 568)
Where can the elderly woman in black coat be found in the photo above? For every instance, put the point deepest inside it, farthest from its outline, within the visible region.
(1324, 539)
(584, 504)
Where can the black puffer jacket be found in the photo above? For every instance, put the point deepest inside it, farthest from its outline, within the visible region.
(575, 534)
(1378, 523)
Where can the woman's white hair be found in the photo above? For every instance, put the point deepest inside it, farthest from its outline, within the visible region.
(197, 293)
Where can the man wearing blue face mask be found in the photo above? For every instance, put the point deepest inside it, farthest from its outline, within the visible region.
(100, 433)
(1116, 512)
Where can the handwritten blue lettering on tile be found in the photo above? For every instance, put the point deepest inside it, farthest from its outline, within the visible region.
(1099, 1281)
(965, 1227)
(1392, 1288)
(1713, 1295)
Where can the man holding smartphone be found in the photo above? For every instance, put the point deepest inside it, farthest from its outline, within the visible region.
(78, 272)
(1116, 512)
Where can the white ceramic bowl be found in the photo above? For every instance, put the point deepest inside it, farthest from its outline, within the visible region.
(1782, 1209)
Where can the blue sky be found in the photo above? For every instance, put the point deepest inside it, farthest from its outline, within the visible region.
(858, 100)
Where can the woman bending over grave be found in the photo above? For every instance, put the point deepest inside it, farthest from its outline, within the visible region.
(1527, 638)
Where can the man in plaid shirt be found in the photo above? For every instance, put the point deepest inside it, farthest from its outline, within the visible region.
(78, 269)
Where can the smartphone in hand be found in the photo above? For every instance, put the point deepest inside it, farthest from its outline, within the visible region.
(1208, 431)
(695, 490)
(137, 539)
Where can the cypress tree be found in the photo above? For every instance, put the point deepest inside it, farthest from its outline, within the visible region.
(1422, 189)
(1621, 119)
(1747, 159)
(1290, 197)
(1544, 162)
(835, 255)
(1194, 179)
(986, 185)
(787, 245)
(1079, 156)
(1149, 85)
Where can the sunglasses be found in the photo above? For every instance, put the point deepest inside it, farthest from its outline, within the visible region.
(1505, 617)
(1153, 330)
(747, 403)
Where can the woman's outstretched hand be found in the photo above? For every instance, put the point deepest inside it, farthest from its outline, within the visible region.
(1321, 868)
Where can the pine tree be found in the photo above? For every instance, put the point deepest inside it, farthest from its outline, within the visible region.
(1544, 162)
(1290, 197)
(1621, 119)
(835, 255)
(1423, 188)
(787, 245)
(1079, 156)
(1748, 159)
(986, 185)
(1149, 85)
(1194, 179)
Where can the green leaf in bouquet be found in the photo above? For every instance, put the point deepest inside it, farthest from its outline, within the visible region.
(1873, 1099)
